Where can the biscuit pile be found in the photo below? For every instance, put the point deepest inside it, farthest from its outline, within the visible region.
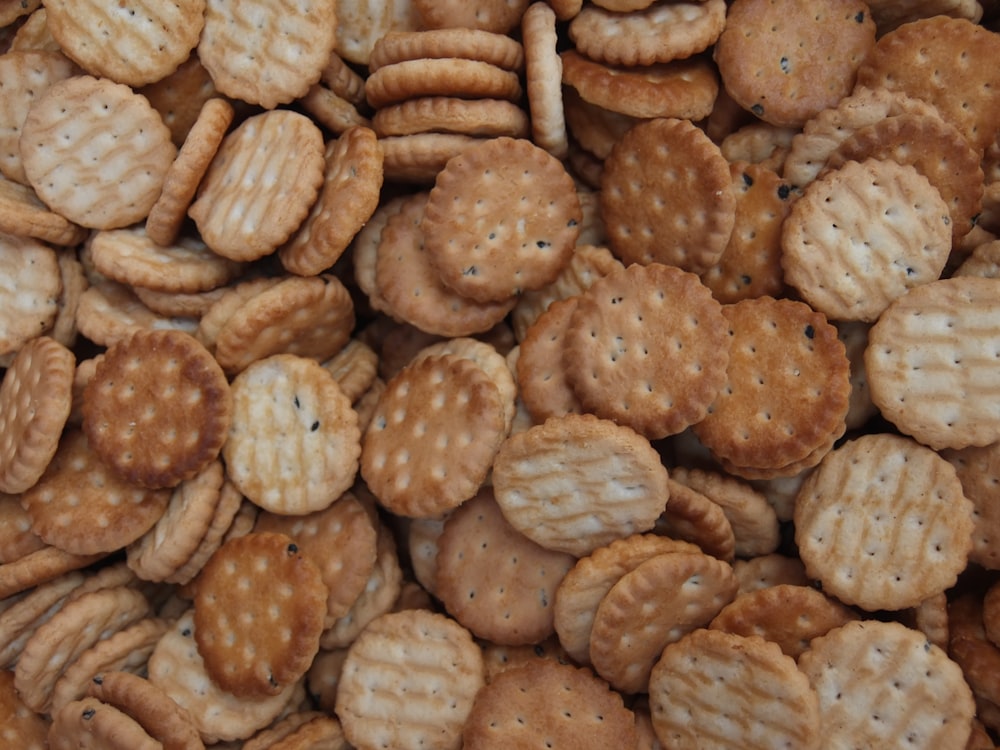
(494, 373)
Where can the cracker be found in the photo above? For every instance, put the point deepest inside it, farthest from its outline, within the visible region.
(770, 570)
(498, 16)
(655, 604)
(787, 63)
(461, 42)
(584, 586)
(352, 182)
(543, 71)
(90, 723)
(924, 362)
(59, 642)
(108, 312)
(232, 514)
(413, 289)
(677, 89)
(418, 158)
(21, 727)
(542, 380)
(24, 75)
(16, 537)
(755, 426)
(788, 615)
(906, 59)
(700, 695)
(917, 527)
(176, 667)
(267, 53)
(361, 23)
(433, 436)
(154, 710)
(506, 596)
(260, 185)
(30, 289)
(35, 401)
(750, 264)
(759, 143)
(485, 118)
(135, 409)
(341, 540)
(354, 367)
(457, 77)
(150, 39)
(548, 702)
(575, 483)
(332, 111)
(503, 243)
(595, 129)
(95, 151)
(692, 517)
(855, 669)
(647, 347)
(977, 469)
(653, 33)
(257, 641)
(25, 214)
(80, 505)
(316, 459)
(180, 97)
(180, 183)
(689, 174)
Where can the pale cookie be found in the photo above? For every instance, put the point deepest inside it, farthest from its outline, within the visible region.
(23, 213)
(753, 520)
(500, 243)
(316, 459)
(433, 436)
(352, 181)
(882, 523)
(29, 289)
(40, 566)
(543, 386)
(882, 684)
(582, 588)
(577, 482)
(692, 517)
(759, 143)
(787, 389)
(341, 540)
(233, 515)
(24, 76)
(465, 43)
(412, 288)
(787, 63)
(927, 360)
(90, 723)
(788, 615)
(306, 316)
(35, 401)
(936, 149)
(543, 71)
(978, 471)
(23, 614)
(715, 689)
(301, 730)
(260, 185)
(180, 97)
(485, 118)
(354, 367)
(657, 603)
(21, 727)
(647, 347)
(882, 228)
(257, 640)
(361, 23)
(59, 642)
(499, 658)
(654, 33)
(498, 16)
(108, 312)
(332, 111)
(420, 668)
(470, 79)
(769, 570)
(167, 214)
(667, 162)
(233, 297)
(683, 89)
(95, 151)
(33, 31)
(418, 158)
(137, 409)
(750, 265)
(185, 265)
(162, 718)
(193, 504)
(16, 537)
(942, 61)
(506, 595)
(81, 506)
(594, 129)
(267, 53)
(176, 668)
(546, 702)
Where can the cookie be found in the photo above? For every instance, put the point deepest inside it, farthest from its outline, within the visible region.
(689, 174)
(30, 290)
(566, 484)
(456, 77)
(785, 64)
(497, 246)
(543, 72)
(498, 16)
(25, 214)
(918, 529)
(647, 347)
(141, 426)
(361, 23)
(90, 723)
(95, 151)
(976, 468)
(542, 380)
(21, 726)
(692, 517)
(461, 42)
(922, 354)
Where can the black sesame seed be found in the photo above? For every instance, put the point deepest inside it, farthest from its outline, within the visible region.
(810, 332)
